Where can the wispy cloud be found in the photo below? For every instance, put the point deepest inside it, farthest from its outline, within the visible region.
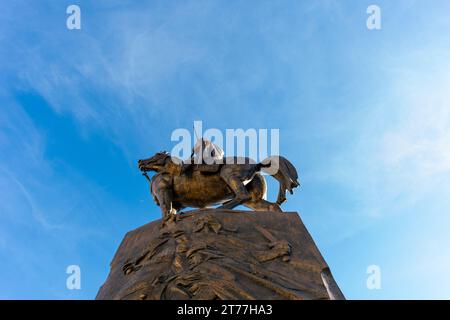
(46, 213)
(365, 116)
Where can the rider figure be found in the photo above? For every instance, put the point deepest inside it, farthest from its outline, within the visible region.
(204, 153)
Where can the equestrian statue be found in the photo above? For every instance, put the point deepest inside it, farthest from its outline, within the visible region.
(213, 180)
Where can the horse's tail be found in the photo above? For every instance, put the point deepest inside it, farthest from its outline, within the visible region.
(281, 169)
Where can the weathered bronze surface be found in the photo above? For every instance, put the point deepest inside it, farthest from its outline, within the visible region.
(236, 181)
(220, 254)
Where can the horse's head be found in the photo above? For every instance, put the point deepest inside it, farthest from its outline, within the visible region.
(155, 163)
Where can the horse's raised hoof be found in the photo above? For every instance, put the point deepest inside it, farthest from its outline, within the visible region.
(275, 208)
(168, 220)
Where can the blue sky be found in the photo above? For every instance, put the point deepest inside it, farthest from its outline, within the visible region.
(364, 115)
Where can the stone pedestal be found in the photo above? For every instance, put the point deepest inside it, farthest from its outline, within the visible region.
(220, 254)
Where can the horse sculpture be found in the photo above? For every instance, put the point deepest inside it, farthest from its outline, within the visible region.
(234, 182)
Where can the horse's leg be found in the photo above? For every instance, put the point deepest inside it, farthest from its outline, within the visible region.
(237, 186)
(262, 205)
(164, 197)
(230, 204)
(257, 189)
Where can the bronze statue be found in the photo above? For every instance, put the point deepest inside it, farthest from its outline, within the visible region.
(219, 253)
(229, 183)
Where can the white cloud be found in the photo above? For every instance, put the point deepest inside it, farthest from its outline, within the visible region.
(420, 141)
(402, 151)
